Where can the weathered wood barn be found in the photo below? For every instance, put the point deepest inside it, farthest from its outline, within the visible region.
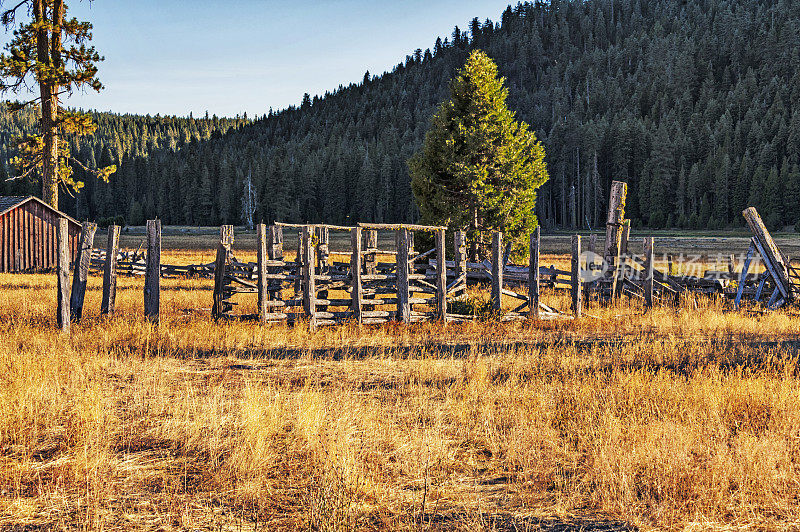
(28, 234)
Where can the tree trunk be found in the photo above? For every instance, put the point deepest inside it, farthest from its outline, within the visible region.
(48, 53)
(473, 226)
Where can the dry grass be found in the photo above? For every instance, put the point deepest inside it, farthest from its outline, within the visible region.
(677, 418)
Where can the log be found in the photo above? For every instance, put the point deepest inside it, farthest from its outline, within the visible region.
(356, 292)
(81, 272)
(261, 270)
(62, 272)
(497, 270)
(110, 271)
(533, 274)
(402, 227)
(614, 221)
(403, 305)
(577, 283)
(152, 279)
(441, 276)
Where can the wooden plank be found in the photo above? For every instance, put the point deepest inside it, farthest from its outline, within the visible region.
(261, 271)
(81, 271)
(275, 253)
(649, 259)
(110, 271)
(403, 305)
(62, 272)
(497, 270)
(309, 272)
(152, 280)
(577, 283)
(534, 274)
(441, 276)
(370, 255)
(356, 292)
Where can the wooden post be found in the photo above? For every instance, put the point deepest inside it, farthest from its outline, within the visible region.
(460, 241)
(497, 270)
(593, 242)
(110, 271)
(648, 271)
(323, 249)
(298, 284)
(152, 278)
(309, 276)
(81, 273)
(577, 283)
(626, 233)
(371, 257)
(275, 252)
(62, 270)
(441, 276)
(533, 274)
(614, 221)
(743, 276)
(261, 271)
(355, 274)
(220, 265)
(403, 306)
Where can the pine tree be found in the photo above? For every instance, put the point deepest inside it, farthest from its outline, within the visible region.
(478, 167)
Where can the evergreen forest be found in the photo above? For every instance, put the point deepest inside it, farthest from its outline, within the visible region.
(695, 104)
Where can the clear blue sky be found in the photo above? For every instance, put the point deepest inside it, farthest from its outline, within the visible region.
(232, 56)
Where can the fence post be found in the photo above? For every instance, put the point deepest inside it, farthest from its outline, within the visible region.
(497, 270)
(298, 282)
(403, 305)
(626, 233)
(261, 271)
(355, 273)
(81, 273)
(62, 271)
(152, 278)
(648, 271)
(533, 275)
(371, 257)
(220, 265)
(275, 252)
(577, 283)
(593, 242)
(441, 277)
(309, 276)
(110, 271)
(460, 256)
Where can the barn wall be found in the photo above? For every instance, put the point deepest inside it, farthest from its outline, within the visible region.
(28, 238)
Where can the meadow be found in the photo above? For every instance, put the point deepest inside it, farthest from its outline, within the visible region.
(683, 417)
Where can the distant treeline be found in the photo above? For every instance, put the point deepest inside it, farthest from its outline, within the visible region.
(695, 104)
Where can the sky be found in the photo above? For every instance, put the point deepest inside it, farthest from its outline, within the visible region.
(228, 57)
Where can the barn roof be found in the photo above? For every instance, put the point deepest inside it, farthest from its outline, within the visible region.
(10, 202)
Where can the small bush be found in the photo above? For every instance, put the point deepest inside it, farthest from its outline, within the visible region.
(472, 306)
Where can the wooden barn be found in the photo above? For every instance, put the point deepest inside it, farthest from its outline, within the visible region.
(28, 234)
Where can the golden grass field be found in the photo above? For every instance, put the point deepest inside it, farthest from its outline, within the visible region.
(681, 418)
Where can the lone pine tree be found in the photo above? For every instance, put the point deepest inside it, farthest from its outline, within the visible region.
(478, 167)
(52, 49)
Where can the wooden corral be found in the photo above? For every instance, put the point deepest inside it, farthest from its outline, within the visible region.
(28, 228)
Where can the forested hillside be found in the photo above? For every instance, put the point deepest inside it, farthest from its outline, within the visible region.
(695, 104)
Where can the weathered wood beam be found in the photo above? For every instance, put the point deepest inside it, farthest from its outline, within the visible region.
(403, 305)
(261, 271)
(62, 272)
(649, 258)
(356, 292)
(110, 271)
(152, 279)
(441, 276)
(577, 283)
(81, 271)
(534, 274)
(497, 270)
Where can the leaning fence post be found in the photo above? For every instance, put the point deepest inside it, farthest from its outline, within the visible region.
(261, 271)
(309, 276)
(110, 271)
(152, 279)
(403, 305)
(81, 273)
(355, 273)
(648, 271)
(441, 277)
(62, 271)
(533, 275)
(577, 283)
(497, 270)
